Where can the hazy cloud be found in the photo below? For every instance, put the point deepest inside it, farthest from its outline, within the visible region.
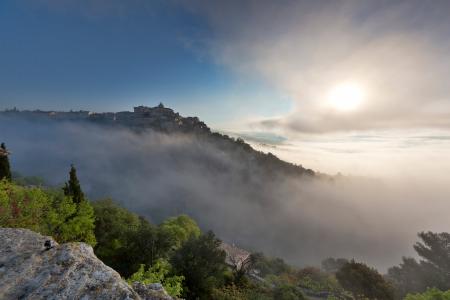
(397, 51)
(303, 221)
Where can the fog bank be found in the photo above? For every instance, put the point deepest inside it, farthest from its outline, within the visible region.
(300, 220)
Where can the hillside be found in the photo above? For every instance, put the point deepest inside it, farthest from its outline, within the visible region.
(160, 164)
(165, 120)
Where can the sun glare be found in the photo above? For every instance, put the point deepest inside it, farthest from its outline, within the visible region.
(346, 97)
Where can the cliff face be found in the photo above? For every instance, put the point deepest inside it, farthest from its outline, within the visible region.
(29, 270)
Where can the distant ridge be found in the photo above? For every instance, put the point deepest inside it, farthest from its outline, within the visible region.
(163, 119)
(159, 118)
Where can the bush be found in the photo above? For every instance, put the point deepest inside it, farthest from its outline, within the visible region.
(158, 273)
(25, 208)
(287, 292)
(430, 294)
(48, 212)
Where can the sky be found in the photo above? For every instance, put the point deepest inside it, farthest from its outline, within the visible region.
(357, 87)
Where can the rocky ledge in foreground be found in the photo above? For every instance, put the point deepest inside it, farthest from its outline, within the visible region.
(67, 271)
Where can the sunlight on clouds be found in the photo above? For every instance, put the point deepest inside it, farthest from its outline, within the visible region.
(402, 55)
(346, 97)
(386, 154)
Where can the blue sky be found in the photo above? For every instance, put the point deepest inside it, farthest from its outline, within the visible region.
(73, 56)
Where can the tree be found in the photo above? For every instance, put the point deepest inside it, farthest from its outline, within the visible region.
(268, 265)
(332, 265)
(435, 250)
(433, 270)
(76, 222)
(48, 212)
(113, 225)
(79, 223)
(180, 229)
(126, 240)
(72, 188)
(409, 277)
(5, 169)
(202, 263)
(364, 282)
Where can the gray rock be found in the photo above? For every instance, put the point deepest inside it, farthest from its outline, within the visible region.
(29, 270)
(152, 291)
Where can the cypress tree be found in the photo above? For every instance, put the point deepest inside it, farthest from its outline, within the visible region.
(72, 188)
(5, 170)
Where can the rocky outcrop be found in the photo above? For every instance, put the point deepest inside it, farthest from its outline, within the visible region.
(33, 266)
(152, 291)
(235, 256)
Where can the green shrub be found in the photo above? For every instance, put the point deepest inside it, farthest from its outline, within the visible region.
(48, 212)
(430, 294)
(158, 273)
(180, 229)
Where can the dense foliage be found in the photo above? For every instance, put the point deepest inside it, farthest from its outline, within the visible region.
(46, 211)
(433, 270)
(430, 294)
(364, 282)
(332, 265)
(125, 241)
(113, 224)
(202, 263)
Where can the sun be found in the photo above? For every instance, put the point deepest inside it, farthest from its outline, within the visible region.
(346, 97)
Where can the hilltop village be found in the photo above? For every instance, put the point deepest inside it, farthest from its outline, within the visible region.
(143, 117)
(163, 119)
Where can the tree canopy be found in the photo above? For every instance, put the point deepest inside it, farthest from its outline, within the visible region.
(364, 282)
(48, 212)
(180, 229)
(202, 263)
(433, 270)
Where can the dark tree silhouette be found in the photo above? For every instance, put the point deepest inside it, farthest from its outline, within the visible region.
(435, 249)
(364, 282)
(332, 265)
(72, 188)
(433, 270)
(5, 169)
(202, 262)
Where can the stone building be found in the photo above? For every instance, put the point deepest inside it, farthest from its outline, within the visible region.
(3, 152)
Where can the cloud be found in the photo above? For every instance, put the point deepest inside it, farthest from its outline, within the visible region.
(398, 52)
(303, 221)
